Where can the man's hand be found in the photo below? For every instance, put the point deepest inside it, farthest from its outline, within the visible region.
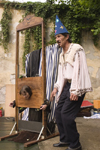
(43, 107)
(11, 104)
(73, 97)
(53, 93)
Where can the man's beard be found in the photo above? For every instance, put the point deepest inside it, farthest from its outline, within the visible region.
(58, 44)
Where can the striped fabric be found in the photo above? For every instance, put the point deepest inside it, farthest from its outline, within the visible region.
(26, 111)
(26, 114)
(52, 58)
(26, 62)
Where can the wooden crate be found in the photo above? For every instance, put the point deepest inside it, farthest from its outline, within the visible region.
(96, 104)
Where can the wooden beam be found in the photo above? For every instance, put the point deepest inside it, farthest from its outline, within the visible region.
(36, 141)
(8, 136)
(29, 21)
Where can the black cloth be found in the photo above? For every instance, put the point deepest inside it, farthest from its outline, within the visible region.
(66, 112)
(32, 71)
(33, 64)
(21, 109)
(36, 114)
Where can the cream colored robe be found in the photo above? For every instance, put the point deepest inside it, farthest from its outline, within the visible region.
(73, 67)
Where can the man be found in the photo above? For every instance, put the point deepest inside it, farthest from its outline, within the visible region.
(72, 83)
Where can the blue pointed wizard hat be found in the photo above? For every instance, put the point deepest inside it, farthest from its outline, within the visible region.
(59, 27)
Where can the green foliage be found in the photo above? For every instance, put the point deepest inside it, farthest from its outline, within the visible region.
(76, 15)
(26, 46)
(4, 34)
(37, 34)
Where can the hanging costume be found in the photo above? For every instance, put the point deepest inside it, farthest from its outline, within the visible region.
(52, 58)
(32, 70)
(52, 61)
(33, 64)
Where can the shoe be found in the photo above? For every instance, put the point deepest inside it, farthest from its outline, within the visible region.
(61, 144)
(78, 148)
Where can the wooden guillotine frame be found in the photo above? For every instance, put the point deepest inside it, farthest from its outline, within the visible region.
(37, 85)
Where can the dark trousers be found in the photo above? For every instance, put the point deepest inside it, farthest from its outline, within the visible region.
(66, 112)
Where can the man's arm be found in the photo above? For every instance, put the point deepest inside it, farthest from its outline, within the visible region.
(80, 79)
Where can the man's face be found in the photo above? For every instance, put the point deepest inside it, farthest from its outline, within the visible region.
(61, 40)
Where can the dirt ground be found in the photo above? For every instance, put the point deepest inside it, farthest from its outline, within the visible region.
(89, 130)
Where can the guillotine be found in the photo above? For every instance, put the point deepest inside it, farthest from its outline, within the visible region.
(37, 85)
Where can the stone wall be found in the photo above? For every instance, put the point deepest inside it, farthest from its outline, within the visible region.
(93, 62)
(7, 60)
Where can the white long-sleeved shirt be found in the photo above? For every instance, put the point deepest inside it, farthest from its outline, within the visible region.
(73, 67)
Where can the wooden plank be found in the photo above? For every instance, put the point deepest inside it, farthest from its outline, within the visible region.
(8, 136)
(28, 22)
(44, 119)
(36, 141)
(17, 74)
(35, 101)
